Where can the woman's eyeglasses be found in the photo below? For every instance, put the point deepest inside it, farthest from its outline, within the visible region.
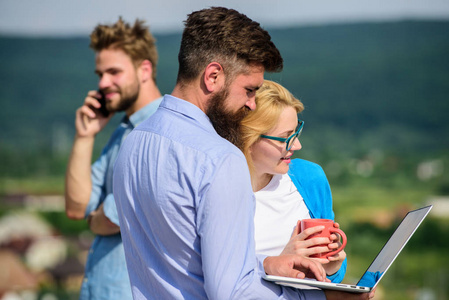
(291, 139)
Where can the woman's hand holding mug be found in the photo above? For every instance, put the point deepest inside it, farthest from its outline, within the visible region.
(317, 239)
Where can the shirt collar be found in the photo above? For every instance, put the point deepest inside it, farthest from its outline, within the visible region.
(143, 113)
(188, 109)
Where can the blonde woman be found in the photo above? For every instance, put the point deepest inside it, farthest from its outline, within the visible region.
(286, 189)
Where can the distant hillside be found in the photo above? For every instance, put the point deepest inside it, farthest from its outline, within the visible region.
(365, 86)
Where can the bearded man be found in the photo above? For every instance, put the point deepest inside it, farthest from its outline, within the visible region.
(183, 191)
(126, 59)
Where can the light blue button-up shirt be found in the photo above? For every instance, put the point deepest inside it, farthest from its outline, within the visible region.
(106, 276)
(187, 212)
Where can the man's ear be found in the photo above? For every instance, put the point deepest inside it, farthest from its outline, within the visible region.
(145, 70)
(214, 77)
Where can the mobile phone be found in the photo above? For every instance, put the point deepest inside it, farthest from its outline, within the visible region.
(103, 110)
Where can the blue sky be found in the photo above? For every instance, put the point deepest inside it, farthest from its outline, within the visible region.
(78, 17)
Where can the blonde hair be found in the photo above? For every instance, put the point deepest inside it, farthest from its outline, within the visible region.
(136, 41)
(271, 99)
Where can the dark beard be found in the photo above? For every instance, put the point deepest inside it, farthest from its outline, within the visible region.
(226, 123)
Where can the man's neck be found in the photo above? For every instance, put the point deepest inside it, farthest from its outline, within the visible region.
(191, 93)
(147, 94)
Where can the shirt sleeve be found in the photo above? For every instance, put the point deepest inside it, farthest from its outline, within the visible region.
(327, 212)
(110, 209)
(317, 195)
(98, 173)
(338, 277)
(101, 175)
(226, 228)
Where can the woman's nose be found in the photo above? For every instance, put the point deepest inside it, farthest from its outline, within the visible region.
(296, 145)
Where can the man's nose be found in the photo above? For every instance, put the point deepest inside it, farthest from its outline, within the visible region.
(104, 82)
(251, 103)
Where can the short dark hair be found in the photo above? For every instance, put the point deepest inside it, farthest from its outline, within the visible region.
(227, 37)
(136, 41)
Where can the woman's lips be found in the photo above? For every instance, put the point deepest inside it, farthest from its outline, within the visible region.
(287, 159)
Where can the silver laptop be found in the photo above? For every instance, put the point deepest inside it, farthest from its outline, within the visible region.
(378, 267)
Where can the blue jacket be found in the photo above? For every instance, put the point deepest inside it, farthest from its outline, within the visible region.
(312, 184)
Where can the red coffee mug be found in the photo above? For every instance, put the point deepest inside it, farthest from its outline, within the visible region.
(329, 228)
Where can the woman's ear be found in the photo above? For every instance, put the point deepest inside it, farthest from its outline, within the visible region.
(214, 77)
(250, 149)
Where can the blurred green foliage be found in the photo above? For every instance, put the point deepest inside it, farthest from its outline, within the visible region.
(64, 225)
(374, 86)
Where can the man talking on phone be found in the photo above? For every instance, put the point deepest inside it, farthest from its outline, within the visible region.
(126, 59)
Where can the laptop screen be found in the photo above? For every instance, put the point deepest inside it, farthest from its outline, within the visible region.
(393, 247)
